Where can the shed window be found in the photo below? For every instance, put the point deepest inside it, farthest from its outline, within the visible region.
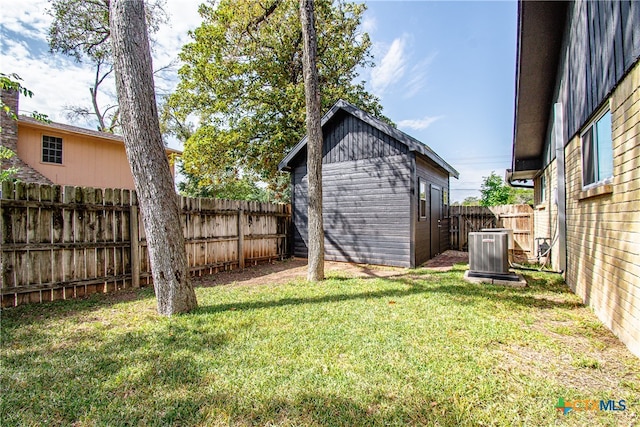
(422, 205)
(597, 151)
(51, 149)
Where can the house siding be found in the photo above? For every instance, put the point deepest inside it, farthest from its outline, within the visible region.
(545, 213)
(597, 67)
(366, 179)
(365, 207)
(601, 44)
(347, 138)
(86, 161)
(369, 184)
(603, 232)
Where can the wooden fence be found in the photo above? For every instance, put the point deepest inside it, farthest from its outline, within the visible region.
(519, 218)
(65, 242)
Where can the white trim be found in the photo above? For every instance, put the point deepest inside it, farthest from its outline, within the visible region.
(606, 108)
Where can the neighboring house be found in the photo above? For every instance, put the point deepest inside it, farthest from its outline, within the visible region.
(385, 194)
(577, 135)
(56, 153)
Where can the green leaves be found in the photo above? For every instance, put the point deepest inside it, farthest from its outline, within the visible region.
(495, 192)
(7, 174)
(242, 82)
(12, 81)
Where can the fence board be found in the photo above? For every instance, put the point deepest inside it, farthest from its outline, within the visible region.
(519, 218)
(66, 242)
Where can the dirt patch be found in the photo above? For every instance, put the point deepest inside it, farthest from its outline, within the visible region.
(292, 270)
(296, 269)
(584, 355)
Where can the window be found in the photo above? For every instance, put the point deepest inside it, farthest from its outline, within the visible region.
(597, 151)
(422, 205)
(543, 188)
(51, 149)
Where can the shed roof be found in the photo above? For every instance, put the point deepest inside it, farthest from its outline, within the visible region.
(411, 143)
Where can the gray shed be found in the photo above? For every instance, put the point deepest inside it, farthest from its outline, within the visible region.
(385, 194)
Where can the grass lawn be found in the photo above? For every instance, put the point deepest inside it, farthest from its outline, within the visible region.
(420, 347)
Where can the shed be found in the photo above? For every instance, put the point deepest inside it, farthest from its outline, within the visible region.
(385, 194)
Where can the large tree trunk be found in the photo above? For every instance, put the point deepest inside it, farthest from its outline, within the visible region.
(314, 142)
(149, 164)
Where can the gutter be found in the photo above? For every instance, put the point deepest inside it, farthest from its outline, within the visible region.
(514, 183)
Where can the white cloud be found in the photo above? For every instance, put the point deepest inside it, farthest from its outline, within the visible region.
(419, 124)
(57, 80)
(369, 23)
(26, 17)
(183, 17)
(392, 67)
(14, 48)
(418, 76)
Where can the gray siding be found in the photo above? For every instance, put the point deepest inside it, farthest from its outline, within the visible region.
(365, 208)
(432, 176)
(369, 197)
(347, 138)
(601, 43)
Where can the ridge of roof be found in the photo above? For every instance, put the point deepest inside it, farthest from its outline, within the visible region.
(411, 143)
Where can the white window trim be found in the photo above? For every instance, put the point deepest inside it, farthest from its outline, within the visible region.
(604, 110)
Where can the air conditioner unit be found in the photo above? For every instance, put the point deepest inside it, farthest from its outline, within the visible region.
(509, 232)
(488, 256)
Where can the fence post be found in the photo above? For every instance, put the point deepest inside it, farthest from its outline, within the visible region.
(135, 245)
(241, 238)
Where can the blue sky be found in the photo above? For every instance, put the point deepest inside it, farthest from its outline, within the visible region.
(445, 73)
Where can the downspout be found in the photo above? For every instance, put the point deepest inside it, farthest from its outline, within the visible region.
(558, 131)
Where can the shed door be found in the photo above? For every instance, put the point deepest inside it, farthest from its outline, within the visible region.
(436, 219)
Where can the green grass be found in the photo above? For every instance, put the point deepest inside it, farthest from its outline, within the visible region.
(421, 348)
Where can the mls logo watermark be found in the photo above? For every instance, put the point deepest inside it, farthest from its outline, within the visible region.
(567, 406)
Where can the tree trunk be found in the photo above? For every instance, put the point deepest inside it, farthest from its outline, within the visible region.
(314, 142)
(149, 164)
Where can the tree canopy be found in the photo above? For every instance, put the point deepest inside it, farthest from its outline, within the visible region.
(495, 192)
(80, 29)
(242, 82)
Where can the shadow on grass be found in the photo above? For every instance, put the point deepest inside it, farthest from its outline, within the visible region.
(419, 281)
(465, 293)
(48, 311)
(321, 409)
(112, 378)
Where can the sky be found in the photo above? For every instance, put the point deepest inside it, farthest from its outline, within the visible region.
(444, 72)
